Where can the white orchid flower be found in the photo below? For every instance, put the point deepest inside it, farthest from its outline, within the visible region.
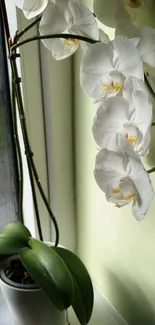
(70, 17)
(146, 44)
(31, 8)
(123, 179)
(133, 121)
(131, 85)
(105, 67)
(110, 12)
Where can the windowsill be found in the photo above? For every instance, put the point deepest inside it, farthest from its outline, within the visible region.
(104, 313)
(5, 314)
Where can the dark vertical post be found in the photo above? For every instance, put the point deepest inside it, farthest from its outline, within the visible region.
(8, 162)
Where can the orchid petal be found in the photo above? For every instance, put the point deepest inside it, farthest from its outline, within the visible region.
(69, 17)
(53, 21)
(132, 84)
(84, 21)
(109, 120)
(127, 29)
(105, 67)
(130, 117)
(125, 49)
(142, 182)
(124, 146)
(96, 62)
(31, 8)
(106, 172)
(143, 118)
(60, 49)
(123, 179)
(146, 45)
(109, 11)
(145, 15)
(133, 121)
(136, 94)
(143, 111)
(110, 168)
(65, 11)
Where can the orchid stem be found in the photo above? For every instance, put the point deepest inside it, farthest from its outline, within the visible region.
(22, 116)
(50, 36)
(19, 34)
(29, 153)
(152, 170)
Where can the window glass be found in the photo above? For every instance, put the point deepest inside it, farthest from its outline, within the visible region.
(8, 166)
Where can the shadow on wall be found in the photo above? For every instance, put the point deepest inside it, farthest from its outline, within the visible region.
(129, 300)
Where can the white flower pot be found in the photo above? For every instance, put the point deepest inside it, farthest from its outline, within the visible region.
(28, 304)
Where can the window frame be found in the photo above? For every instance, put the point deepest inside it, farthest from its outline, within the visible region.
(41, 105)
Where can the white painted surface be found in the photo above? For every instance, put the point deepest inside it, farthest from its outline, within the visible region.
(5, 317)
(57, 100)
(103, 314)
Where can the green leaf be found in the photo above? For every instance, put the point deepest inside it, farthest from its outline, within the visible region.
(50, 272)
(83, 289)
(9, 246)
(15, 230)
(40, 274)
(78, 304)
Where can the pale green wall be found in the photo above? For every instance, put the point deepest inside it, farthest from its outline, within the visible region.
(118, 250)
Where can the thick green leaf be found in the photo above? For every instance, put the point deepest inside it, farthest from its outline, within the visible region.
(50, 272)
(15, 230)
(9, 246)
(41, 276)
(84, 294)
(78, 304)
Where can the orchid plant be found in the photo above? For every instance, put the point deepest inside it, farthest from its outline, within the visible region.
(113, 74)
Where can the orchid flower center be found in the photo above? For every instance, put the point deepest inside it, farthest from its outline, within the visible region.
(129, 196)
(126, 197)
(131, 133)
(112, 87)
(124, 193)
(116, 190)
(131, 139)
(134, 3)
(112, 83)
(70, 42)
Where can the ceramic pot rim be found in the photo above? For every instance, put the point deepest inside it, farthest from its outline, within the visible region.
(10, 283)
(18, 286)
